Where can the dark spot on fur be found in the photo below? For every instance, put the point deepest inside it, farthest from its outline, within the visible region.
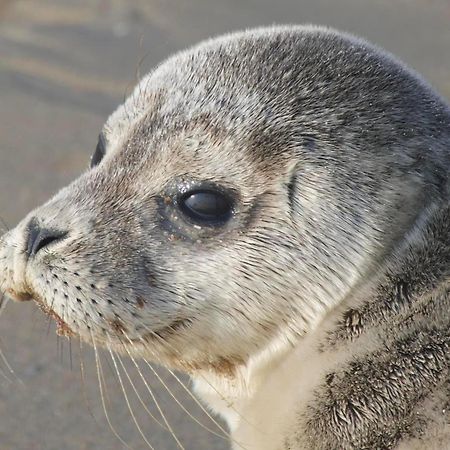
(402, 293)
(329, 377)
(353, 321)
(118, 326)
(309, 142)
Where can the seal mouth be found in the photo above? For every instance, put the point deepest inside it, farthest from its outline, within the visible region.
(62, 329)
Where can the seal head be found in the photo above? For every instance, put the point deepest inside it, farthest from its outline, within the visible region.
(241, 192)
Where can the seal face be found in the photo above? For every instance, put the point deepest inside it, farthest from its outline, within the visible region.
(246, 189)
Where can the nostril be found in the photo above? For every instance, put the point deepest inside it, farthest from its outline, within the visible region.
(39, 237)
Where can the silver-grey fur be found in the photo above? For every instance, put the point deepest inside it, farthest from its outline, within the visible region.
(336, 259)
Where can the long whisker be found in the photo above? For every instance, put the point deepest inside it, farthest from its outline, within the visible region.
(222, 397)
(205, 411)
(57, 347)
(83, 378)
(65, 319)
(5, 376)
(127, 400)
(70, 353)
(8, 366)
(3, 302)
(155, 401)
(199, 404)
(61, 348)
(230, 406)
(49, 318)
(191, 416)
(102, 395)
(180, 404)
(165, 343)
(138, 395)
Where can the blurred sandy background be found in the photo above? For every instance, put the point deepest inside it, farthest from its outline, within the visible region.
(64, 66)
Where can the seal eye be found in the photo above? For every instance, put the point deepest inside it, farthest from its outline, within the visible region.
(99, 151)
(206, 207)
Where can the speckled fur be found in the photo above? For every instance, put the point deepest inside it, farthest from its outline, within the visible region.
(320, 311)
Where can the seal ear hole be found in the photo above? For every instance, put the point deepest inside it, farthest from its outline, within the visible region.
(99, 152)
(291, 191)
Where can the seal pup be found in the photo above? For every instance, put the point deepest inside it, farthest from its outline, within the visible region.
(269, 212)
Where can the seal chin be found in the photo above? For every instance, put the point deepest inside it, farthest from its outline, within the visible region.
(62, 329)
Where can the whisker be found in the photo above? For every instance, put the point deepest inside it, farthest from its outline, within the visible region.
(165, 343)
(70, 353)
(127, 400)
(66, 320)
(4, 300)
(198, 402)
(102, 374)
(139, 396)
(49, 318)
(226, 437)
(102, 394)
(61, 348)
(171, 347)
(155, 401)
(191, 416)
(230, 406)
(5, 376)
(57, 347)
(82, 372)
(8, 366)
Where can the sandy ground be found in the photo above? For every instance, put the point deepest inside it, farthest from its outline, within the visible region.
(64, 66)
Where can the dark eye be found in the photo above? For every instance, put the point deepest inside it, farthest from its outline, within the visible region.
(99, 151)
(206, 207)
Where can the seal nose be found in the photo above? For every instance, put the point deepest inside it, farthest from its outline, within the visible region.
(38, 237)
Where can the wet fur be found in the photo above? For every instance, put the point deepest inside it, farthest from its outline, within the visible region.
(321, 310)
